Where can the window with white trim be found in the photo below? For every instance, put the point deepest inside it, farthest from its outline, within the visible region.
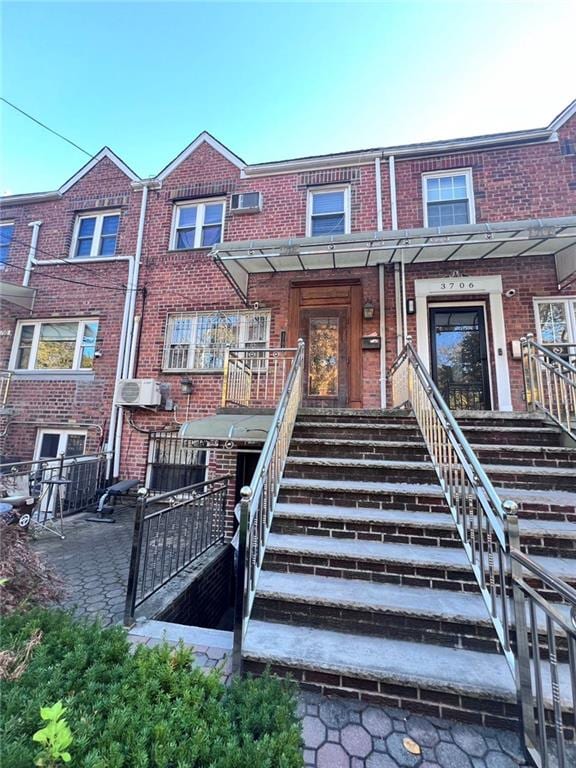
(448, 198)
(328, 211)
(556, 323)
(95, 234)
(6, 234)
(55, 345)
(197, 225)
(197, 341)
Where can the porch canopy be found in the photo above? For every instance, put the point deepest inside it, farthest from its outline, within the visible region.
(17, 294)
(368, 249)
(226, 429)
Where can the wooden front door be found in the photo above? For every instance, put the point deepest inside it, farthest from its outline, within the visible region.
(325, 333)
(327, 314)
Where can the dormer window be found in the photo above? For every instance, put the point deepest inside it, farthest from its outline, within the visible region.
(95, 235)
(197, 225)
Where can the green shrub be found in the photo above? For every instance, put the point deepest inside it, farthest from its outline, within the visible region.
(147, 709)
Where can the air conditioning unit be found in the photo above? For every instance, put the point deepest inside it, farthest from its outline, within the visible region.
(246, 202)
(138, 393)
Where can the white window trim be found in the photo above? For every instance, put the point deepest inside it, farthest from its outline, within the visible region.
(60, 431)
(96, 237)
(570, 314)
(195, 315)
(36, 339)
(201, 210)
(467, 172)
(7, 223)
(338, 188)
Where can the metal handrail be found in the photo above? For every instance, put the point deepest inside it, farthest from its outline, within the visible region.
(549, 383)
(255, 376)
(480, 515)
(258, 501)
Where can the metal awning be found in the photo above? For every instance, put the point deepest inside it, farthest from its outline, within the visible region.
(17, 294)
(368, 249)
(224, 428)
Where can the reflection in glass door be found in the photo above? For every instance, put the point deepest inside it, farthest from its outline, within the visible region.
(325, 334)
(459, 357)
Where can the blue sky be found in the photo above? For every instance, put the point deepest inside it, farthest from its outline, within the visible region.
(271, 80)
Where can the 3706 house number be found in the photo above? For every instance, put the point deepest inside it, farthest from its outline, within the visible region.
(456, 285)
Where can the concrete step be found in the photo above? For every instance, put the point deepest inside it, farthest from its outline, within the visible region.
(383, 562)
(445, 682)
(552, 538)
(452, 619)
(508, 476)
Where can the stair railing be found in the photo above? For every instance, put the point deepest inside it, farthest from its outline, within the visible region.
(480, 516)
(544, 635)
(549, 383)
(258, 501)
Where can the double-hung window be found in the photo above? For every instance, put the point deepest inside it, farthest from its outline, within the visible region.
(197, 225)
(328, 211)
(6, 234)
(64, 345)
(556, 324)
(448, 198)
(95, 235)
(197, 341)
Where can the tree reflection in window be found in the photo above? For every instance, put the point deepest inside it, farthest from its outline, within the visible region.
(323, 357)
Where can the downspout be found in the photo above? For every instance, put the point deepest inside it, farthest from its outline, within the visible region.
(32, 252)
(393, 202)
(380, 227)
(125, 346)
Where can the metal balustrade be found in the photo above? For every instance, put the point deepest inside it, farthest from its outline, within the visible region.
(550, 381)
(171, 531)
(255, 376)
(258, 501)
(537, 630)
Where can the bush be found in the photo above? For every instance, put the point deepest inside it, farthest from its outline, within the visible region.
(26, 581)
(147, 709)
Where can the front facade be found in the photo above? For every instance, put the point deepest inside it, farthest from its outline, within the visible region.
(464, 246)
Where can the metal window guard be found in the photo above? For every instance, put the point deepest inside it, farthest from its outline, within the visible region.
(550, 382)
(489, 532)
(258, 501)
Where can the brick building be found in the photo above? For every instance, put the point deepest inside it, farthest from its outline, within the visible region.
(465, 245)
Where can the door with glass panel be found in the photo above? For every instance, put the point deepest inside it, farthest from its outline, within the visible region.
(459, 356)
(556, 326)
(51, 446)
(325, 333)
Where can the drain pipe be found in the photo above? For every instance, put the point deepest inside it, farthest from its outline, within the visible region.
(32, 252)
(382, 329)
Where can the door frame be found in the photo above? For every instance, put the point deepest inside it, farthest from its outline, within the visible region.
(62, 432)
(354, 302)
(491, 285)
(476, 304)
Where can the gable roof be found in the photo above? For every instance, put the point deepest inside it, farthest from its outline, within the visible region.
(202, 138)
(104, 152)
(563, 117)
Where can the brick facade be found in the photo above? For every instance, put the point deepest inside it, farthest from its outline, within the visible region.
(512, 182)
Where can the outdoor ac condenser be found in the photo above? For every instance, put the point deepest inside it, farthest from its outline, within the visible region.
(138, 393)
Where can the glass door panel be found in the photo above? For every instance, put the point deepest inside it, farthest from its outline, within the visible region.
(325, 333)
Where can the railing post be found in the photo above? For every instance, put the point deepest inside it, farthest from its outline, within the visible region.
(225, 377)
(528, 366)
(240, 589)
(523, 674)
(134, 568)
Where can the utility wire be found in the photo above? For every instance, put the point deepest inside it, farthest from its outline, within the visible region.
(43, 125)
(68, 279)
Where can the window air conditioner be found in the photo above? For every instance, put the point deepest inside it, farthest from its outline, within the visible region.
(138, 393)
(247, 202)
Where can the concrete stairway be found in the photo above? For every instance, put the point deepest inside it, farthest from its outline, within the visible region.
(366, 590)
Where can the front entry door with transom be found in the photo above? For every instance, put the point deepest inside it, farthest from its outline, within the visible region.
(325, 333)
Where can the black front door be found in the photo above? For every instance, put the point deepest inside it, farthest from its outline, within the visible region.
(459, 357)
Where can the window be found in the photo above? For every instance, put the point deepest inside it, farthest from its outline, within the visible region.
(448, 199)
(53, 443)
(556, 324)
(95, 235)
(328, 211)
(197, 341)
(197, 225)
(6, 234)
(55, 345)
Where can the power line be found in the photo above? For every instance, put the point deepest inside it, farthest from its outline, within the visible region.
(68, 279)
(43, 125)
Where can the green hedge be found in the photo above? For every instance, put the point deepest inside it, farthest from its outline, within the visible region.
(142, 709)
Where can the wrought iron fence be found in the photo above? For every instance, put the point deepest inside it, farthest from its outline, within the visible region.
(173, 462)
(85, 476)
(5, 378)
(550, 381)
(540, 649)
(258, 500)
(170, 532)
(546, 674)
(255, 377)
